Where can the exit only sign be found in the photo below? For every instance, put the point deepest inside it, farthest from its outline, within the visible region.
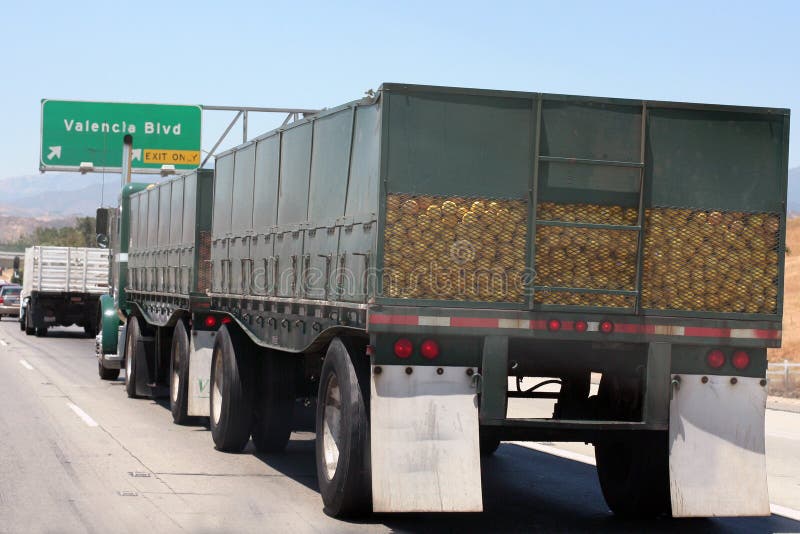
(80, 135)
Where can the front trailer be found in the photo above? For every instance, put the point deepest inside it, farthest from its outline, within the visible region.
(423, 260)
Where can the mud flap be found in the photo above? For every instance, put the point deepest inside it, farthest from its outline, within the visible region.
(201, 346)
(424, 440)
(717, 466)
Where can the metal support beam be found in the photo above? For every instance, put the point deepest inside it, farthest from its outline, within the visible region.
(222, 138)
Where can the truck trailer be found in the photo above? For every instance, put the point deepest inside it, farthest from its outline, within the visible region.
(405, 257)
(62, 287)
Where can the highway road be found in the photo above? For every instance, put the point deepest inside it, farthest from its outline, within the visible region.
(76, 455)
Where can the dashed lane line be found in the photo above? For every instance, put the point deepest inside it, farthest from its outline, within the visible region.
(83, 415)
(26, 365)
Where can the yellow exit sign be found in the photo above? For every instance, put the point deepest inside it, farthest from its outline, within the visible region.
(171, 157)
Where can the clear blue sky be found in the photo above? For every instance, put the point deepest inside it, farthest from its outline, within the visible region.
(319, 54)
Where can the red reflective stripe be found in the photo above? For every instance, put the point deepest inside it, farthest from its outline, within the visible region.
(539, 324)
(704, 331)
(567, 325)
(407, 320)
(623, 328)
(474, 322)
(767, 334)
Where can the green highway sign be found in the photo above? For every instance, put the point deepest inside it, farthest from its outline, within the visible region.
(88, 136)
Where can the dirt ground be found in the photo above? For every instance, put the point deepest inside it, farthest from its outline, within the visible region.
(790, 349)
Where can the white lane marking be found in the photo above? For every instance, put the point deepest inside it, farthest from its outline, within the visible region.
(783, 435)
(2, 342)
(776, 509)
(791, 513)
(26, 365)
(555, 451)
(83, 415)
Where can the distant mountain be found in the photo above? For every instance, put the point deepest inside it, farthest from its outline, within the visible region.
(60, 194)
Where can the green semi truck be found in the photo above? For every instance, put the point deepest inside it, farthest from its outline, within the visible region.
(405, 257)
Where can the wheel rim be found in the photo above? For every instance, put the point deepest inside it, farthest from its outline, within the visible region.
(128, 358)
(216, 393)
(332, 426)
(176, 377)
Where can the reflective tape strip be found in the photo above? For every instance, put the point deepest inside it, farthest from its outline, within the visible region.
(122, 256)
(425, 320)
(591, 326)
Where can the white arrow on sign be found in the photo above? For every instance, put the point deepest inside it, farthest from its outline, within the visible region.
(55, 152)
(137, 154)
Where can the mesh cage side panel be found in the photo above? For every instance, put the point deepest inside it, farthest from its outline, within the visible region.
(586, 213)
(710, 261)
(204, 262)
(455, 248)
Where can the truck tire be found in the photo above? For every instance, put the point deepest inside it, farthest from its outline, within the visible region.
(179, 375)
(29, 330)
(489, 441)
(89, 331)
(134, 350)
(41, 331)
(107, 374)
(342, 442)
(22, 322)
(230, 402)
(274, 401)
(633, 468)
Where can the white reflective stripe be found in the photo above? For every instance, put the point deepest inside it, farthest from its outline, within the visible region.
(122, 256)
(425, 320)
(743, 333)
(514, 323)
(668, 330)
(592, 326)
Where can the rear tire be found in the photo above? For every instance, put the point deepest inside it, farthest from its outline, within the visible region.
(134, 350)
(274, 402)
(230, 402)
(342, 443)
(89, 331)
(179, 375)
(489, 441)
(633, 468)
(29, 330)
(107, 374)
(41, 331)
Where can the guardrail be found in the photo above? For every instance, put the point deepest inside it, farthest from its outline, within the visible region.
(784, 378)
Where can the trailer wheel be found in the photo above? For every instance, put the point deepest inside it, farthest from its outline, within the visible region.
(342, 443)
(29, 330)
(106, 374)
(41, 331)
(89, 331)
(179, 375)
(231, 404)
(633, 468)
(134, 350)
(489, 441)
(274, 402)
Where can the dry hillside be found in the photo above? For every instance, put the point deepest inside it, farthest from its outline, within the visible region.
(791, 298)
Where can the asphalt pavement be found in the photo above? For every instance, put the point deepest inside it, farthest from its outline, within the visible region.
(76, 455)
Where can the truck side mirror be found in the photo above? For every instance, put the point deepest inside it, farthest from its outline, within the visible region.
(101, 221)
(102, 240)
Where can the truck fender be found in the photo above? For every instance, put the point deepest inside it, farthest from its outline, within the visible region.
(109, 324)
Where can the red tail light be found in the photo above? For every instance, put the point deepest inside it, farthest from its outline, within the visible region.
(715, 358)
(1, 300)
(210, 321)
(581, 326)
(554, 325)
(429, 349)
(606, 327)
(403, 348)
(740, 359)
(226, 320)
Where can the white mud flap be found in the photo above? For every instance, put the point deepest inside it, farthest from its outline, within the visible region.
(424, 441)
(201, 346)
(717, 466)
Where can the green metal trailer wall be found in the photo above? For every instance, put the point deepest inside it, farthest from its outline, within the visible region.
(169, 223)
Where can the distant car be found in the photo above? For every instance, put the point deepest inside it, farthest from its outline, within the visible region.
(9, 300)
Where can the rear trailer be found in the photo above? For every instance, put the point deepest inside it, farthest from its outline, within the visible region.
(408, 256)
(62, 287)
